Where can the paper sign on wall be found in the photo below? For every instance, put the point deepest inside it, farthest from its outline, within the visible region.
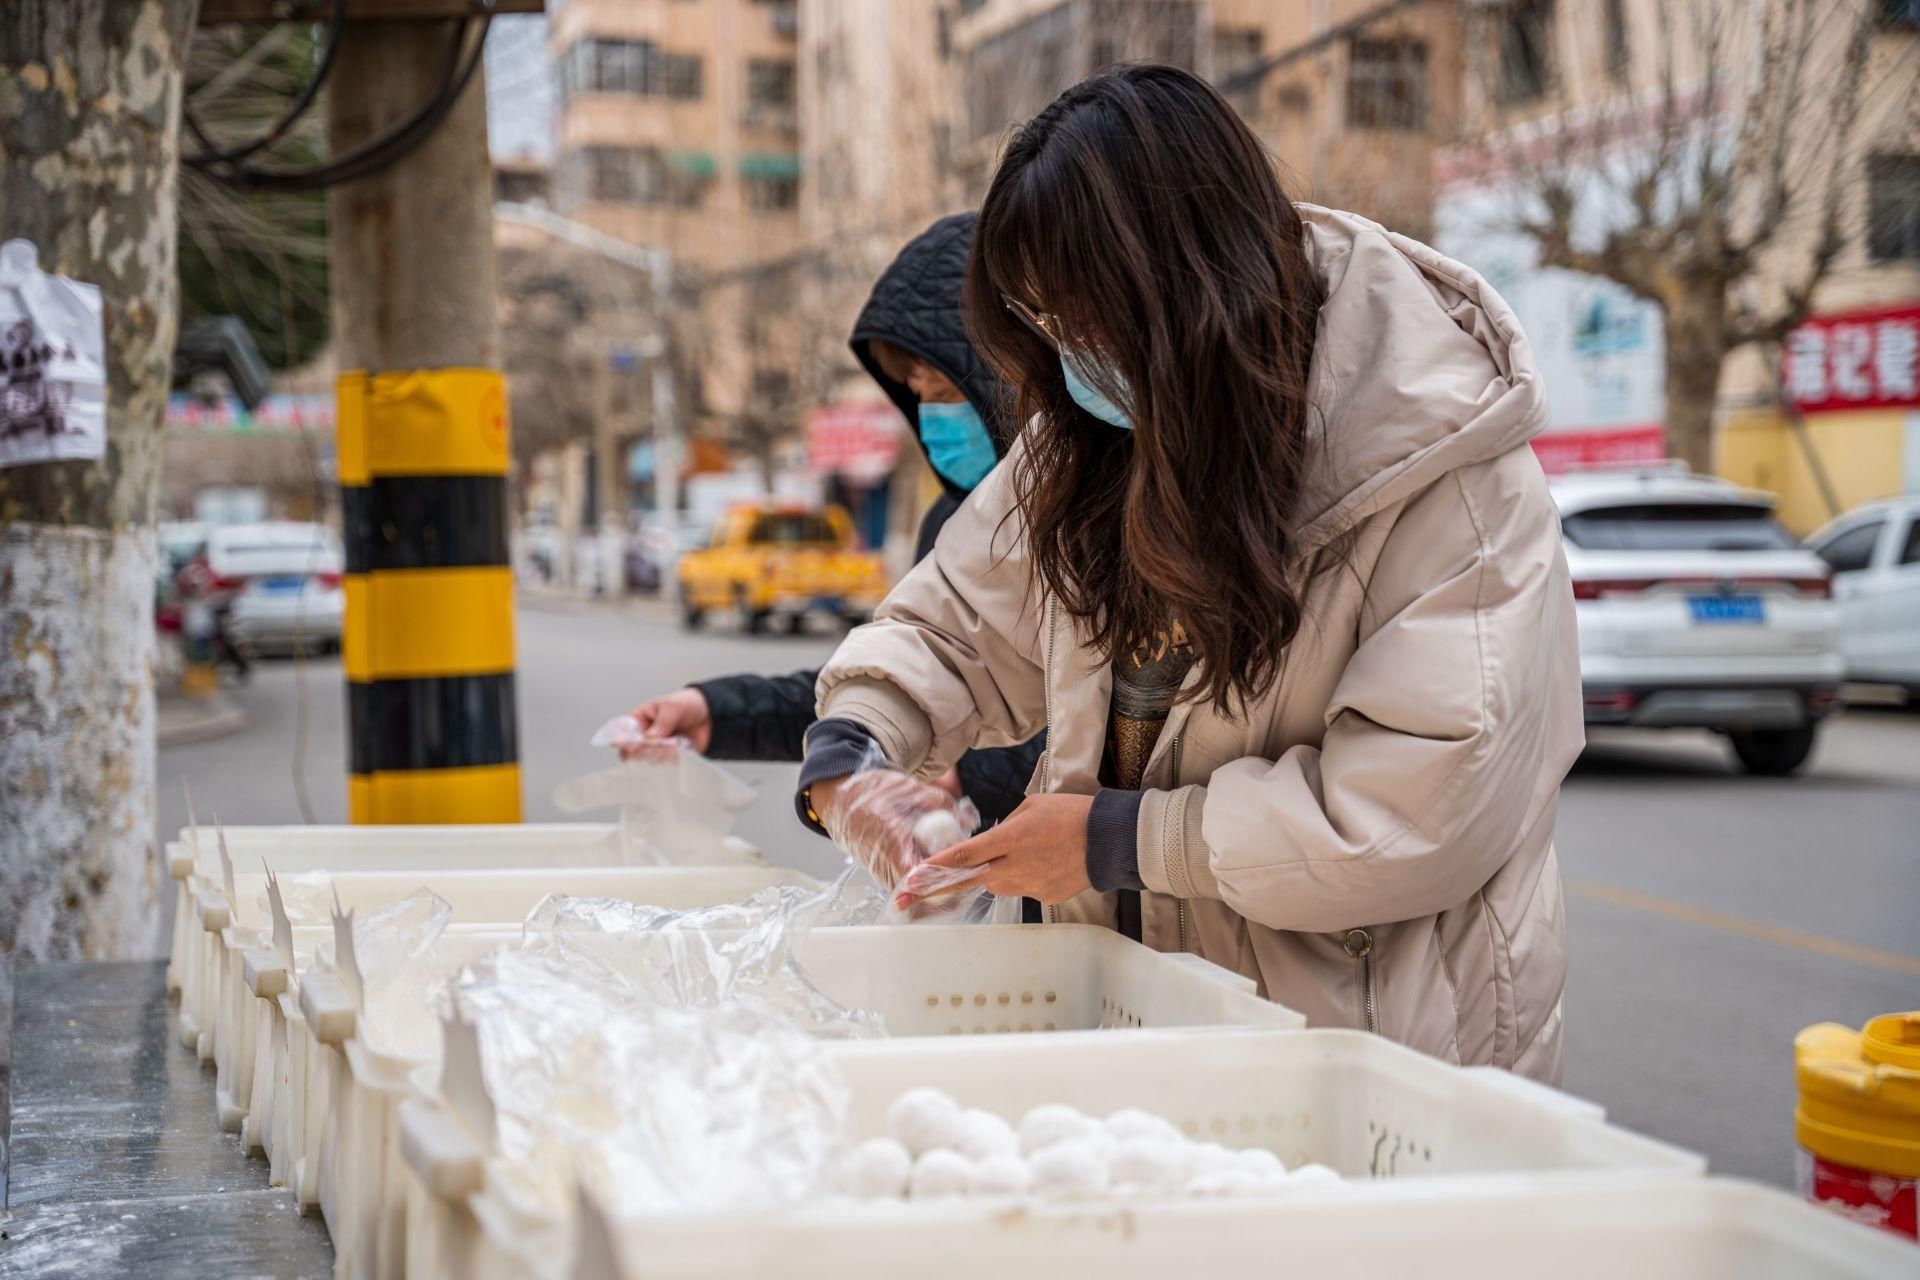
(53, 369)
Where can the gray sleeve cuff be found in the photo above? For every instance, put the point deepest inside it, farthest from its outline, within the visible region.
(1113, 840)
(835, 748)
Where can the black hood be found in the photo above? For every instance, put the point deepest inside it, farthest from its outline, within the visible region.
(915, 305)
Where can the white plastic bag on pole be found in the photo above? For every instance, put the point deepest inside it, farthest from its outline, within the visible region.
(53, 368)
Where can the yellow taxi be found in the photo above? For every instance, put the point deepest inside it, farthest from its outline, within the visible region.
(771, 561)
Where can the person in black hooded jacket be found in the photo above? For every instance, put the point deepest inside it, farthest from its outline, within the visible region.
(910, 338)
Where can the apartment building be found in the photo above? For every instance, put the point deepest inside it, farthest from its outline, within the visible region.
(677, 127)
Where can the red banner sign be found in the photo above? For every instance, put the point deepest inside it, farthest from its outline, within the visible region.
(857, 438)
(1860, 361)
(1561, 451)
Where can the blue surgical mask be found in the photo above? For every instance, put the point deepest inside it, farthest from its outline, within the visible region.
(957, 442)
(1089, 397)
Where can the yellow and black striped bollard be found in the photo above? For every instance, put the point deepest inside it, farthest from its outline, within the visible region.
(428, 643)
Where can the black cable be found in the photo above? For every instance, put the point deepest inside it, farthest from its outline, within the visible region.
(377, 153)
(212, 154)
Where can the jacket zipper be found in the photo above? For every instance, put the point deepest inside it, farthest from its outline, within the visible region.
(1046, 756)
(1180, 904)
(1359, 945)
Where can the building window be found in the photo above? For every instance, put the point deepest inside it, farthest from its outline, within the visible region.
(771, 182)
(1387, 85)
(520, 186)
(969, 6)
(1015, 73)
(1893, 208)
(637, 67)
(1617, 52)
(635, 175)
(770, 83)
(772, 195)
(1236, 51)
(1526, 50)
(1900, 13)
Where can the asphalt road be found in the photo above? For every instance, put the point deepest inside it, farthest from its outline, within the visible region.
(1710, 916)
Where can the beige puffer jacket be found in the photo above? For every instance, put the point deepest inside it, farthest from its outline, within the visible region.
(1372, 840)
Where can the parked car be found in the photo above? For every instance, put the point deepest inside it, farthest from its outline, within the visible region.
(283, 581)
(769, 561)
(1874, 553)
(1697, 609)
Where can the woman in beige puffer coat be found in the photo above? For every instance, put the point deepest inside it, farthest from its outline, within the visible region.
(1276, 570)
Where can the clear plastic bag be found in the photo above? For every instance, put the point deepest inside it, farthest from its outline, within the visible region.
(387, 959)
(677, 808)
(661, 1060)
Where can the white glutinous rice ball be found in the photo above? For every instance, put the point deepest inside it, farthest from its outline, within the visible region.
(984, 1135)
(1144, 1164)
(1001, 1175)
(1211, 1157)
(1258, 1162)
(1051, 1123)
(1130, 1124)
(940, 1172)
(877, 1169)
(1312, 1175)
(1076, 1167)
(922, 1119)
(937, 830)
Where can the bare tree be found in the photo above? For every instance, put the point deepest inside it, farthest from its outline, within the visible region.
(1717, 189)
(89, 148)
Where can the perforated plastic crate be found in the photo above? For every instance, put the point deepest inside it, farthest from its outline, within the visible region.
(194, 863)
(925, 980)
(1371, 1109)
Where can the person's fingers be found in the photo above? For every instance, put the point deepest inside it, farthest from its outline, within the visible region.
(994, 842)
(661, 718)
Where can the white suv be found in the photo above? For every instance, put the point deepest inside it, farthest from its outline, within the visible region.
(1698, 610)
(1874, 552)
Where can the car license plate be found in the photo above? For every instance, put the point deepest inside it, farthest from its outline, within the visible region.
(282, 586)
(1737, 610)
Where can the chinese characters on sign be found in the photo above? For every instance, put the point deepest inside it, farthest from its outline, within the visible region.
(856, 439)
(1860, 361)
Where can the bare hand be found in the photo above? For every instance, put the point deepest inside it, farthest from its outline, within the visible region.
(681, 714)
(1038, 852)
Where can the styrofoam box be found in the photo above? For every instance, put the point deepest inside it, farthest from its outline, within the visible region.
(1369, 1108)
(194, 863)
(217, 992)
(252, 995)
(924, 980)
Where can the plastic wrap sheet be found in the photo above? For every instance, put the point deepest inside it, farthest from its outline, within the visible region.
(396, 972)
(703, 957)
(676, 807)
(660, 1060)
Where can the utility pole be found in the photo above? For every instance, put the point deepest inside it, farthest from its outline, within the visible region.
(89, 154)
(429, 651)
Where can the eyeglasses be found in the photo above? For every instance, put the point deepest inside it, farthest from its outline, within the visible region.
(1038, 321)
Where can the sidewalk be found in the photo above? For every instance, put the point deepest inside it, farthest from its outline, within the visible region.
(181, 720)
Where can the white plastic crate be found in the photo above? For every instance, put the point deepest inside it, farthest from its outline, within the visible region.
(248, 983)
(493, 897)
(924, 980)
(1367, 1107)
(1584, 1229)
(194, 862)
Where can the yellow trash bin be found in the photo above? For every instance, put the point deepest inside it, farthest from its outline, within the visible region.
(1858, 1122)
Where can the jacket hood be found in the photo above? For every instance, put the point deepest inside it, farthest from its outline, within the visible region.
(915, 305)
(1419, 368)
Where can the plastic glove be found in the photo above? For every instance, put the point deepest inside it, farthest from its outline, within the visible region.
(889, 821)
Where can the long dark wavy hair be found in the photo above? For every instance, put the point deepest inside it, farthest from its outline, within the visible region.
(1145, 223)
